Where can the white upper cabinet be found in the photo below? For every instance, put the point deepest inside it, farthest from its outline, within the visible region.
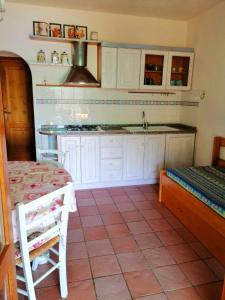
(179, 150)
(128, 68)
(153, 69)
(109, 67)
(133, 166)
(154, 155)
(179, 71)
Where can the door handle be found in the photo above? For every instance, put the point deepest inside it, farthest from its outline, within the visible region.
(6, 113)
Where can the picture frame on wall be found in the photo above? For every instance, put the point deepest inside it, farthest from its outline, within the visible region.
(40, 28)
(68, 31)
(81, 32)
(55, 30)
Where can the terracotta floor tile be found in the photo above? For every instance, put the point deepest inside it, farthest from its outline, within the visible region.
(117, 230)
(125, 206)
(112, 218)
(171, 278)
(50, 280)
(81, 290)
(104, 200)
(124, 244)
(133, 261)
(174, 222)
(160, 296)
(116, 191)
(82, 194)
(100, 247)
(88, 210)
(104, 266)
(131, 216)
(121, 199)
(158, 257)
(170, 237)
(75, 235)
(166, 213)
(210, 291)
(107, 208)
(74, 222)
(131, 189)
(182, 253)
(85, 202)
(76, 251)
(148, 240)
(51, 292)
(216, 267)
(183, 294)
(198, 272)
(142, 283)
(139, 227)
(78, 269)
(112, 288)
(95, 233)
(200, 250)
(186, 235)
(91, 221)
(159, 225)
(151, 214)
(136, 197)
(100, 193)
(143, 205)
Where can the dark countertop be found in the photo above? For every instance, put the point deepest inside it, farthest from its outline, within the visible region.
(115, 129)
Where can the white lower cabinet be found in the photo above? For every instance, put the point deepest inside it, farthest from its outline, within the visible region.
(154, 155)
(133, 164)
(179, 150)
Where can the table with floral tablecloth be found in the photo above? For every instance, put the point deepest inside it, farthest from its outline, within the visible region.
(29, 180)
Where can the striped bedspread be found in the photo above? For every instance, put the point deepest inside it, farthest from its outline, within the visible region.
(205, 183)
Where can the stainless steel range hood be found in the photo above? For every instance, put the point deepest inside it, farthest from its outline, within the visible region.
(79, 74)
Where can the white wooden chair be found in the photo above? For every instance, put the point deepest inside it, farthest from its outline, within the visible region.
(55, 220)
(54, 156)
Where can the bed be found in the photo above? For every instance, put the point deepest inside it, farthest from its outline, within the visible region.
(196, 196)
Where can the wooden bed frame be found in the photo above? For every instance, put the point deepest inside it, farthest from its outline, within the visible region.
(203, 222)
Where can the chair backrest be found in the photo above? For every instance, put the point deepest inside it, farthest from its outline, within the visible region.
(55, 156)
(47, 215)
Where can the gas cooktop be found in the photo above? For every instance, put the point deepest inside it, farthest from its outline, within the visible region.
(81, 127)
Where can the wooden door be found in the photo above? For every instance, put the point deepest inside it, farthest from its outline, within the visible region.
(133, 157)
(128, 68)
(109, 67)
(7, 261)
(18, 108)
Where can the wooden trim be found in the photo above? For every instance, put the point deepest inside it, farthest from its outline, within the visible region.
(216, 160)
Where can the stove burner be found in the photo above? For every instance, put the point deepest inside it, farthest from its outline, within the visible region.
(81, 128)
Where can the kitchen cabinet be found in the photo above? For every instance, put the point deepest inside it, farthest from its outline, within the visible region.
(179, 150)
(154, 155)
(128, 68)
(71, 145)
(109, 67)
(133, 166)
(90, 159)
(153, 69)
(179, 71)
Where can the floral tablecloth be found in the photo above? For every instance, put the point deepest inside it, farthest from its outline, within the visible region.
(30, 180)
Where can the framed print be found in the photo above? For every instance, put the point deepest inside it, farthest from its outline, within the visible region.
(68, 31)
(81, 32)
(40, 28)
(55, 30)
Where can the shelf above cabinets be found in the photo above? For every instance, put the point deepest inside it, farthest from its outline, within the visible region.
(61, 40)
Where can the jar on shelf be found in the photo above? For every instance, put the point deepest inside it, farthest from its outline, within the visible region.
(41, 58)
(55, 57)
(64, 58)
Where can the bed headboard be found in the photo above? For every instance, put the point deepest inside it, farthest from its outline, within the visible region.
(218, 156)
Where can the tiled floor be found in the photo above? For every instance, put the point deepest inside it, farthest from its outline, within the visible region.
(123, 244)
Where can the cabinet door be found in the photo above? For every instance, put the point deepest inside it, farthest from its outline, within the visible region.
(179, 150)
(71, 145)
(90, 159)
(153, 69)
(133, 166)
(154, 155)
(128, 68)
(179, 72)
(109, 67)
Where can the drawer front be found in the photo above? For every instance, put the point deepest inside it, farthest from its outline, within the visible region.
(113, 175)
(111, 152)
(112, 141)
(111, 164)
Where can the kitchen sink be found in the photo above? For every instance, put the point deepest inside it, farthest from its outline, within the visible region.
(150, 128)
(112, 128)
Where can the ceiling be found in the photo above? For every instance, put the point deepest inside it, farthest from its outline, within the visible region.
(169, 9)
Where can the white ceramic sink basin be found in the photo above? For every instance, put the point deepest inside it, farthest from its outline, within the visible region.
(150, 128)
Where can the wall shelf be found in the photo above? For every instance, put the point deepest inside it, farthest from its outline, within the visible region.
(61, 40)
(49, 64)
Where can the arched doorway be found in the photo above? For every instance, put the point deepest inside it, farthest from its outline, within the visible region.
(17, 95)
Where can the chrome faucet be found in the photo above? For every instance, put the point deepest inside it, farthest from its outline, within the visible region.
(144, 122)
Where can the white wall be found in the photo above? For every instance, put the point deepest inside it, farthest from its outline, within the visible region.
(206, 33)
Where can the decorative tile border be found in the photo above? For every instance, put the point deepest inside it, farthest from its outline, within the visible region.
(116, 102)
